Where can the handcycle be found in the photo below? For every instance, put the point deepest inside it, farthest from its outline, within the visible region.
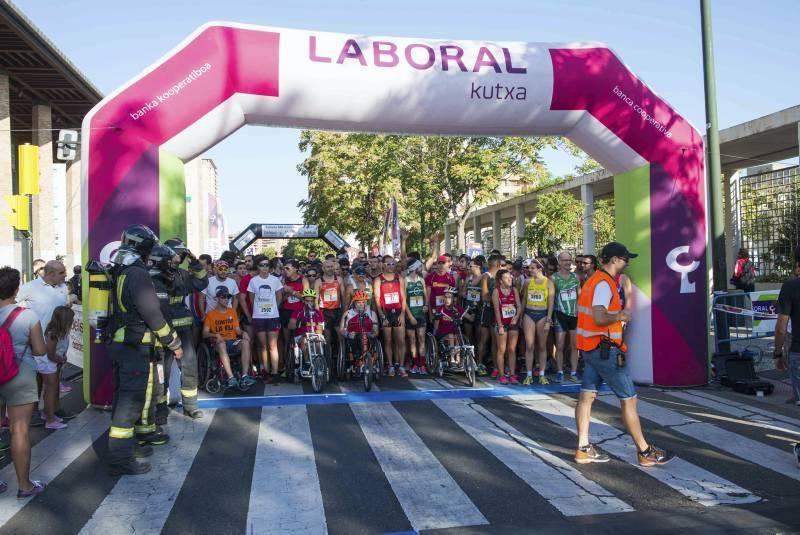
(316, 367)
(368, 364)
(441, 358)
(211, 374)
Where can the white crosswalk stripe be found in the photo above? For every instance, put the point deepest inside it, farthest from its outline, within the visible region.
(285, 495)
(429, 496)
(142, 504)
(690, 480)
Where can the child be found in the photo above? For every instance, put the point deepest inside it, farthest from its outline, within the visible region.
(357, 320)
(306, 320)
(221, 325)
(49, 366)
(446, 317)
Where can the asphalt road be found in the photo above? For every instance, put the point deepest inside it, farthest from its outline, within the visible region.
(449, 464)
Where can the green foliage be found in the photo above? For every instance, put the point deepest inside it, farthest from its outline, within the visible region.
(299, 247)
(269, 252)
(772, 277)
(604, 223)
(557, 223)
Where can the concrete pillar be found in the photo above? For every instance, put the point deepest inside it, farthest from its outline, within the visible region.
(587, 198)
(73, 214)
(42, 220)
(446, 238)
(476, 228)
(497, 228)
(522, 250)
(7, 257)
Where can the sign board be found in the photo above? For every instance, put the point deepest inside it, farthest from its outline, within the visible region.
(245, 239)
(289, 231)
(75, 351)
(474, 249)
(335, 240)
(67, 145)
(764, 302)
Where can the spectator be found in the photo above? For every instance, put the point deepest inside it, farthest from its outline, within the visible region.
(49, 365)
(38, 268)
(19, 394)
(77, 285)
(44, 294)
(789, 311)
(744, 272)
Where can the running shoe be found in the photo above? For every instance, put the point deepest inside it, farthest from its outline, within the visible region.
(38, 488)
(482, 372)
(495, 373)
(559, 377)
(653, 456)
(232, 382)
(247, 381)
(401, 371)
(543, 380)
(514, 380)
(503, 380)
(528, 380)
(423, 370)
(573, 379)
(55, 424)
(587, 454)
(414, 370)
(391, 371)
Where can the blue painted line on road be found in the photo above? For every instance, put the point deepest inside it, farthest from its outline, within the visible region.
(385, 396)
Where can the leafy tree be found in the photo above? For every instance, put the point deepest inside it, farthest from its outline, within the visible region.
(269, 252)
(604, 222)
(299, 248)
(558, 223)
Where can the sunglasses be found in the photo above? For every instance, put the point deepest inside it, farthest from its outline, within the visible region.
(263, 264)
(311, 275)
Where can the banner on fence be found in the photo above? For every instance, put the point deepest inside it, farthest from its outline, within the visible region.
(75, 351)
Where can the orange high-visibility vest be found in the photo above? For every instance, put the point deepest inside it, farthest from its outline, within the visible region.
(589, 333)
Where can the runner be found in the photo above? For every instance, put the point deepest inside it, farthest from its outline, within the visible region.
(568, 291)
(294, 283)
(416, 316)
(438, 281)
(538, 293)
(471, 294)
(390, 304)
(330, 291)
(209, 295)
(507, 310)
(359, 281)
(265, 291)
(488, 335)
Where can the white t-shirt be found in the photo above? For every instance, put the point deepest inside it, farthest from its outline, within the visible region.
(42, 298)
(602, 295)
(265, 292)
(211, 291)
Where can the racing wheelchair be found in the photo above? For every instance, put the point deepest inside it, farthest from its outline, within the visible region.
(440, 358)
(367, 363)
(316, 365)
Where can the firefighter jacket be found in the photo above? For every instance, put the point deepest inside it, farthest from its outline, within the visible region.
(173, 287)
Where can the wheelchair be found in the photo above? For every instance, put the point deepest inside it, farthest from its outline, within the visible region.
(211, 374)
(440, 359)
(317, 367)
(368, 364)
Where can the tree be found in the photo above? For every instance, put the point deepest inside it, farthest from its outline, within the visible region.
(558, 223)
(604, 222)
(269, 252)
(299, 247)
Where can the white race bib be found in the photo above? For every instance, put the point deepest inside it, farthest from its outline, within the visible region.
(391, 298)
(330, 296)
(535, 297)
(568, 294)
(439, 300)
(473, 295)
(416, 301)
(508, 311)
(265, 308)
(293, 299)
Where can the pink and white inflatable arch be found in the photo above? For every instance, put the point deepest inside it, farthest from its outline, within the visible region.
(225, 76)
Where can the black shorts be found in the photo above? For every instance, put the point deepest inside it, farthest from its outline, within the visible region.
(286, 316)
(487, 315)
(393, 316)
(422, 322)
(332, 318)
(565, 323)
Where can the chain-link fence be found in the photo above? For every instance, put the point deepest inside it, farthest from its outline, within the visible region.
(768, 218)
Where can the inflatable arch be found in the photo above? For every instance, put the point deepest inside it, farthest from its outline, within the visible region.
(225, 76)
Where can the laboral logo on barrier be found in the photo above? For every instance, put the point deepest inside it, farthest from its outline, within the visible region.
(764, 302)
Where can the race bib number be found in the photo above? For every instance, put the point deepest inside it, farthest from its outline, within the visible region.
(535, 297)
(293, 299)
(473, 295)
(568, 294)
(330, 295)
(439, 300)
(416, 301)
(392, 298)
(508, 311)
(265, 308)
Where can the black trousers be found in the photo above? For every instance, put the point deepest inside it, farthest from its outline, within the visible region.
(132, 412)
(188, 366)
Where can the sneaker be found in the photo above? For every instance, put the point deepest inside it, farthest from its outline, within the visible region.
(514, 380)
(64, 389)
(654, 456)
(528, 380)
(495, 373)
(38, 488)
(587, 454)
(37, 420)
(503, 380)
(414, 370)
(391, 371)
(559, 377)
(797, 454)
(423, 370)
(132, 468)
(247, 381)
(64, 415)
(543, 380)
(55, 424)
(573, 379)
(482, 372)
(401, 371)
(232, 382)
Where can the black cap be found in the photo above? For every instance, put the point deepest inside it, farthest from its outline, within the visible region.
(222, 291)
(616, 249)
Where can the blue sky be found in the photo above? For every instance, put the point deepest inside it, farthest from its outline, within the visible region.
(755, 43)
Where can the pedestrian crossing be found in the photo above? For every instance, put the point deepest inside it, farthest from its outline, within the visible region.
(380, 467)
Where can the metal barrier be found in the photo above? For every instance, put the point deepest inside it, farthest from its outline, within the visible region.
(738, 317)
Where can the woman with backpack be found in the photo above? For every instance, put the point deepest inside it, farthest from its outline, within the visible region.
(744, 272)
(20, 338)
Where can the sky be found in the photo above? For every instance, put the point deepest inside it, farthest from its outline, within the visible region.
(755, 47)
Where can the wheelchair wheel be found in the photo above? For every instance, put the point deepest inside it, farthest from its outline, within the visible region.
(328, 363)
(367, 374)
(470, 367)
(213, 386)
(341, 362)
(203, 364)
(319, 373)
(380, 362)
(431, 353)
(288, 362)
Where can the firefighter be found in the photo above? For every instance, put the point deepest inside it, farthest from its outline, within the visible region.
(173, 285)
(137, 323)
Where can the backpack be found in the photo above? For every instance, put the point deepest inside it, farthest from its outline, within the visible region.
(9, 368)
(747, 277)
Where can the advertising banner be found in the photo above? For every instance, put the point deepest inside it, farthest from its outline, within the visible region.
(764, 302)
(289, 231)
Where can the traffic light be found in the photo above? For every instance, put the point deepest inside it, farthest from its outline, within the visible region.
(28, 164)
(19, 216)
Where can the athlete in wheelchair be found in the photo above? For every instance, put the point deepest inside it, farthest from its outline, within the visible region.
(452, 352)
(361, 353)
(224, 337)
(309, 348)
